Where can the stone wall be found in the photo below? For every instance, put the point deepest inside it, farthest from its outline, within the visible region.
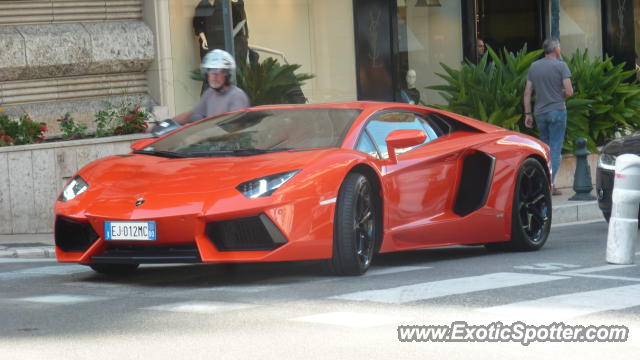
(72, 56)
(32, 176)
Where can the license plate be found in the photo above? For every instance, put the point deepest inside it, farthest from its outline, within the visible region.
(130, 230)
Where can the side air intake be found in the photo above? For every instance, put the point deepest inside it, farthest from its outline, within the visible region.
(475, 183)
(245, 234)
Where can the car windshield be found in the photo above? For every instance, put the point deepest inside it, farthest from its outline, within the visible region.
(256, 132)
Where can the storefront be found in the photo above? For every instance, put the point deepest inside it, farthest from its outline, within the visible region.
(400, 44)
(391, 50)
(143, 52)
(316, 34)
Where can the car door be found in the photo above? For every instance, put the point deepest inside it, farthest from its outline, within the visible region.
(419, 188)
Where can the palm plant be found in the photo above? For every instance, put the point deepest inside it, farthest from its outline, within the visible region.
(606, 99)
(270, 82)
(490, 90)
(613, 96)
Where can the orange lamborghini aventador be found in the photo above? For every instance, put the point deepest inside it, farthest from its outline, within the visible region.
(338, 182)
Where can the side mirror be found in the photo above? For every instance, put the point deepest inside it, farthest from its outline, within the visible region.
(142, 143)
(400, 139)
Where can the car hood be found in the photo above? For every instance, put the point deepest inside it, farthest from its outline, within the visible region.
(137, 174)
(624, 145)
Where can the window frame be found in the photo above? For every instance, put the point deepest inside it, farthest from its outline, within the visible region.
(424, 116)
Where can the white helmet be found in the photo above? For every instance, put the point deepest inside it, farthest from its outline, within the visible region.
(218, 59)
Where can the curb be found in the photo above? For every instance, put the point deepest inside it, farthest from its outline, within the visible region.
(35, 252)
(580, 211)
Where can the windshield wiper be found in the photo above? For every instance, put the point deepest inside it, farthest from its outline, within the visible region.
(259, 151)
(167, 154)
(237, 152)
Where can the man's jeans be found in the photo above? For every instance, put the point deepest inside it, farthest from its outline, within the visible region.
(552, 126)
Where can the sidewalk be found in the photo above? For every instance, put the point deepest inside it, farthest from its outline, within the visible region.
(41, 245)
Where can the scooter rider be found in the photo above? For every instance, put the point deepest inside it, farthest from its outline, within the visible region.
(222, 95)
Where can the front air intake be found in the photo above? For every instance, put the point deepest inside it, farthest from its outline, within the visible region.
(245, 234)
(73, 236)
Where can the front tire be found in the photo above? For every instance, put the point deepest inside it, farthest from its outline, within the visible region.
(114, 269)
(356, 227)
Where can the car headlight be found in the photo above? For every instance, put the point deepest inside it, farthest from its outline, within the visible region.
(607, 161)
(265, 186)
(75, 187)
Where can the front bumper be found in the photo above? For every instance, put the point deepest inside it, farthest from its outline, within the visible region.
(279, 232)
(604, 189)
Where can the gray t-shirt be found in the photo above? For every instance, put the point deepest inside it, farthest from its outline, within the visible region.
(546, 75)
(214, 103)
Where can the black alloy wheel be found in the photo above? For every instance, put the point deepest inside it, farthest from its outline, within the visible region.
(531, 213)
(531, 208)
(356, 227)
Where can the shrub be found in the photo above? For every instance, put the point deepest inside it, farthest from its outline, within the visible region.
(121, 120)
(612, 94)
(490, 90)
(605, 101)
(71, 130)
(21, 131)
(270, 82)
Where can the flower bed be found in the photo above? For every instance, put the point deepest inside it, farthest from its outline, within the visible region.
(122, 119)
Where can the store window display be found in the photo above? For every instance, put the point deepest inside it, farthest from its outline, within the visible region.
(427, 37)
(411, 95)
(208, 26)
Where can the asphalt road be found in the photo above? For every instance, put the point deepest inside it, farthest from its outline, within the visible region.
(293, 310)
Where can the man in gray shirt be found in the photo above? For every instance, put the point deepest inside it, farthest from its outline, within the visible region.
(221, 96)
(551, 79)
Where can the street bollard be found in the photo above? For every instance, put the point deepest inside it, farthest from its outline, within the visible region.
(582, 177)
(623, 225)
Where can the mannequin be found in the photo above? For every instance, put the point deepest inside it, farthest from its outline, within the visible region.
(412, 94)
(208, 26)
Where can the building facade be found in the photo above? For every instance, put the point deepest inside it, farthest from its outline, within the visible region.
(72, 56)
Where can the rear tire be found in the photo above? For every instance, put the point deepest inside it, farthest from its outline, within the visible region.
(114, 269)
(356, 227)
(531, 214)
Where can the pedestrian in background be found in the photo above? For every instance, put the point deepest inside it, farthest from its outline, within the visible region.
(550, 78)
(480, 48)
(222, 95)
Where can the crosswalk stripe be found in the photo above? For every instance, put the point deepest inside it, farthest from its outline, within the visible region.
(592, 269)
(63, 299)
(394, 270)
(202, 307)
(435, 289)
(44, 271)
(571, 305)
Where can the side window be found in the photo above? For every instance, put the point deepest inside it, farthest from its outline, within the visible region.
(381, 126)
(443, 122)
(366, 145)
